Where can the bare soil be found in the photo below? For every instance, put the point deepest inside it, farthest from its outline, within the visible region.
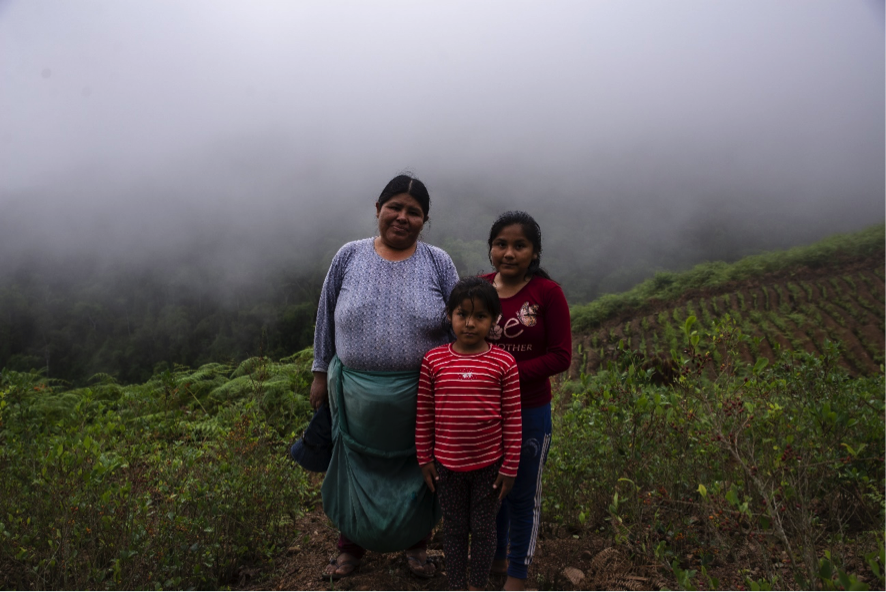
(564, 561)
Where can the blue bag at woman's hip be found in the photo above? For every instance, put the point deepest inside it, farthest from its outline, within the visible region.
(313, 450)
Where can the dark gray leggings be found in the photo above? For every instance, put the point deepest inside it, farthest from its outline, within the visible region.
(470, 505)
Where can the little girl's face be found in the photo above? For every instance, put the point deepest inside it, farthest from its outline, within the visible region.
(471, 323)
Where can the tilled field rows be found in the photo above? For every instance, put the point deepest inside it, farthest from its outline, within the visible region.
(794, 312)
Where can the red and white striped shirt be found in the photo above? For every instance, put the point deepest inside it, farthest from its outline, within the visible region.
(469, 410)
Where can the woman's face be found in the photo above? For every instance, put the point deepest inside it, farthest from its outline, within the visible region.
(400, 220)
(512, 253)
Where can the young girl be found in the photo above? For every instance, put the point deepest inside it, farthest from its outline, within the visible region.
(467, 431)
(535, 328)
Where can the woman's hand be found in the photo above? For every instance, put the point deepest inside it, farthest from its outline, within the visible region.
(319, 390)
(505, 484)
(429, 472)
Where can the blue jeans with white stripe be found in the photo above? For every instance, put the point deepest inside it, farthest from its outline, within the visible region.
(519, 519)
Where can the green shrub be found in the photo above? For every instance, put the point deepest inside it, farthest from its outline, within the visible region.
(143, 486)
(788, 455)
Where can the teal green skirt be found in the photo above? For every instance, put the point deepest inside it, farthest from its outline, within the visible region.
(373, 491)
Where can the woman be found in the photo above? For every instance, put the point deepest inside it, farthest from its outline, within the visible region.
(381, 309)
(535, 328)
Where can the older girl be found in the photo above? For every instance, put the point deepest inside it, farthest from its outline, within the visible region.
(535, 328)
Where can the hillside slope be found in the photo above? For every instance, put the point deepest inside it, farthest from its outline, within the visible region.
(797, 307)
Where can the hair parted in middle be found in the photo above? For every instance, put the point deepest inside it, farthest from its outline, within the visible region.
(477, 290)
(411, 187)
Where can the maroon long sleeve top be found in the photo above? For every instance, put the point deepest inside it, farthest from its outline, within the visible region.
(536, 329)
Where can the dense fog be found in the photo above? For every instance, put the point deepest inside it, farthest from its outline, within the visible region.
(240, 138)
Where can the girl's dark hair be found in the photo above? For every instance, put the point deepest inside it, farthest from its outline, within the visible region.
(475, 289)
(532, 232)
(410, 186)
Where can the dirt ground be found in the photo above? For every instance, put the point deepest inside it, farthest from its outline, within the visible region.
(564, 561)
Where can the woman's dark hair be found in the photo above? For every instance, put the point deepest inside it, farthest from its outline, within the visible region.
(410, 186)
(475, 289)
(530, 229)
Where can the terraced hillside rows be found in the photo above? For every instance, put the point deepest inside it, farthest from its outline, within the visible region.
(795, 309)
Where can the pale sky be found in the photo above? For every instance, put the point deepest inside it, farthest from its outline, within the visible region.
(112, 111)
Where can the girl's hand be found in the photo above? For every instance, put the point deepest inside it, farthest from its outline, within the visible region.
(506, 484)
(319, 390)
(429, 472)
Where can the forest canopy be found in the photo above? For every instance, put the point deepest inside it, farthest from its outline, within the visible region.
(130, 324)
